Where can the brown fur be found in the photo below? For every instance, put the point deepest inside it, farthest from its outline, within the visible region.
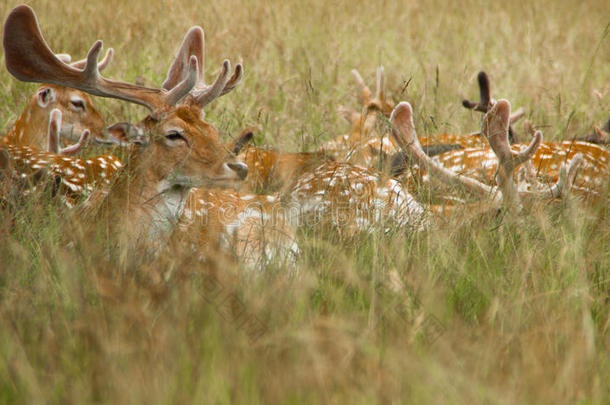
(130, 206)
(30, 129)
(271, 169)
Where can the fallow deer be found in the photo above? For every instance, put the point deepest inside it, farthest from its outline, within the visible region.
(76, 177)
(599, 135)
(353, 198)
(538, 172)
(270, 169)
(255, 228)
(361, 146)
(76, 107)
(182, 151)
(592, 177)
(362, 123)
(495, 129)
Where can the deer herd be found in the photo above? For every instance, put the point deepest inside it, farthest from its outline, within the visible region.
(180, 181)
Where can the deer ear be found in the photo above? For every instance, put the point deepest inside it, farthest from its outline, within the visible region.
(45, 96)
(127, 133)
(242, 141)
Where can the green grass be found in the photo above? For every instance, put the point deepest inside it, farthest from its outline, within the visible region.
(523, 305)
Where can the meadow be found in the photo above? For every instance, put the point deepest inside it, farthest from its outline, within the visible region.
(492, 310)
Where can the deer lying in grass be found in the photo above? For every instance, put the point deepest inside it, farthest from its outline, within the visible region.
(593, 175)
(543, 169)
(76, 178)
(183, 151)
(362, 123)
(494, 128)
(600, 135)
(353, 199)
(270, 170)
(255, 228)
(76, 107)
(361, 146)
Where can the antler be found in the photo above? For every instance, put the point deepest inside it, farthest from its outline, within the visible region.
(66, 58)
(29, 58)
(403, 131)
(494, 128)
(241, 141)
(600, 136)
(378, 102)
(54, 145)
(486, 102)
(202, 94)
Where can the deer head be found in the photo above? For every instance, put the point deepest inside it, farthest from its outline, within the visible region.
(177, 134)
(181, 150)
(75, 106)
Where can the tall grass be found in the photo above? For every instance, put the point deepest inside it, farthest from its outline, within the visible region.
(483, 311)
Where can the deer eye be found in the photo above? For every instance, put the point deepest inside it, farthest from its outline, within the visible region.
(78, 104)
(175, 136)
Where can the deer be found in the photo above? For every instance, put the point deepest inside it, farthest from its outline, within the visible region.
(362, 123)
(545, 165)
(542, 169)
(270, 170)
(256, 229)
(599, 135)
(76, 177)
(354, 198)
(495, 130)
(360, 146)
(182, 151)
(76, 107)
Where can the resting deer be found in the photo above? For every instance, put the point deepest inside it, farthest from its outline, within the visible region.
(183, 151)
(76, 178)
(494, 128)
(356, 198)
(362, 123)
(270, 169)
(76, 107)
(255, 228)
(592, 177)
(361, 146)
(599, 135)
(353, 198)
(543, 168)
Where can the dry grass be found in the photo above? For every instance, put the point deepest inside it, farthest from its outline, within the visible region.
(523, 306)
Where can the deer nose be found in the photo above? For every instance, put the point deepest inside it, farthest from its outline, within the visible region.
(240, 168)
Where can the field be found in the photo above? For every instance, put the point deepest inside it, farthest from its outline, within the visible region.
(488, 310)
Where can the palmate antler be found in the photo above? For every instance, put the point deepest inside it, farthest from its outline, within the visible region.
(21, 31)
(202, 94)
(80, 64)
(40, 64)
(54, 145)
(486, 102)
(495, 129)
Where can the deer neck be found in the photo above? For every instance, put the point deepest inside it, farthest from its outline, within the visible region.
(149, 206)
